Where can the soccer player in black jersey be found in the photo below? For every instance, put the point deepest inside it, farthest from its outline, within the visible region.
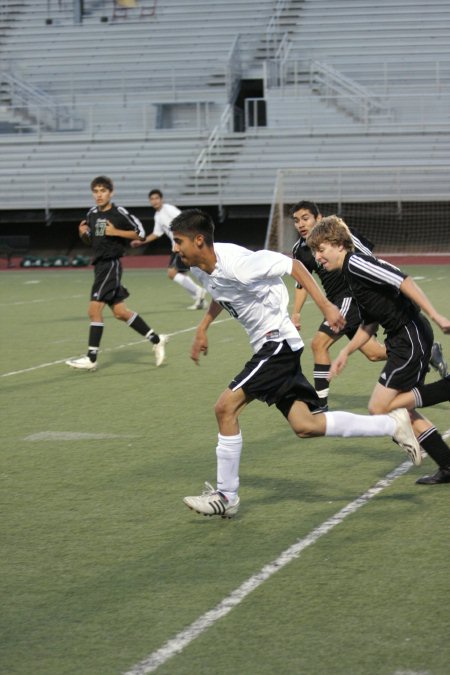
(389, 298)
(108, 228)
(306, 214)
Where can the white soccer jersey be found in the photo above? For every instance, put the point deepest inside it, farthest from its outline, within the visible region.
(248, 284)
(163, 219)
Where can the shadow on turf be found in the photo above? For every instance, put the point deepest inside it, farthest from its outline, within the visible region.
(285, 489)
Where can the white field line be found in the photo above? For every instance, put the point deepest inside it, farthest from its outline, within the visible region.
(109, 349)
(35, 301)
(177, 644)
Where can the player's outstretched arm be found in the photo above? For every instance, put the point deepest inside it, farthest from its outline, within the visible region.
(143, 242)
(200, 344)
(409, 288)
(307, 281)
(362, 335)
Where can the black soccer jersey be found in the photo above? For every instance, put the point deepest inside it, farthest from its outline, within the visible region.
(109, 248)
(334, 283)
(375, 285)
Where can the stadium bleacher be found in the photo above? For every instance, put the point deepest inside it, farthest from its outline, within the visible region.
(140, 95)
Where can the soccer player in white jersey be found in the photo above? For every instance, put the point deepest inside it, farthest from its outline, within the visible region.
(388, 297)
(249, 286)
(176, 269)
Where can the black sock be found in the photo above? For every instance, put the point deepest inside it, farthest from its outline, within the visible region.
(321, 383)
(138, 324)
(95, 336)
(435, 446)
(430, 394)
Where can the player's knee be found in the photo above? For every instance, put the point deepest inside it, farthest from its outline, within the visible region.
(94, 316)
(171, 272)
(221, 410)
(317, 343)
(377, 408)
(120, 314)
(305, 428)
(224, 411)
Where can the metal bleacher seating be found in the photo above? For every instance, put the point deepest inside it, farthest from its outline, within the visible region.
(142, 95)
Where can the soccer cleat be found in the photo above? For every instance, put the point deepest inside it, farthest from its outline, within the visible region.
(404, 435)
(441, 476)
(437, 360)
(160, 350)
(200, 302)
(212, 503)
(83, 363)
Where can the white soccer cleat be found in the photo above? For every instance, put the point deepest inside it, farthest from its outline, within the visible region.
(212, 503)
(83, 363)
(200, 302)
(160, 350)
(404, 435)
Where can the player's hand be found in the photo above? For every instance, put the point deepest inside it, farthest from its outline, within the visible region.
(83, 228)
(135, 243)
(199, 346)
(110, 230)
(334, 317)
(443, 323)
(295, 318)
(338, 365)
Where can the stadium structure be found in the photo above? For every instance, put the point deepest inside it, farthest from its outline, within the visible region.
(240, 107)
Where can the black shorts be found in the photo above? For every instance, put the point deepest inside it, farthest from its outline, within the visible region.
(274, 375)
(107, 287)
(408, 355)
(176, 262)
(350, 310)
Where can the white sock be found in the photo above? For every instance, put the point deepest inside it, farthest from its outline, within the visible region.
(341, 423)
(187, 284)
(228, 452)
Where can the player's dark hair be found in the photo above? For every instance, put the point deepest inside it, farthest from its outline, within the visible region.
(194, 221)
(102, 181)
(332, 230)
(155, 192)
(307, 206)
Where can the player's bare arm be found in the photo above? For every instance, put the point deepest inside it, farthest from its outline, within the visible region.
(306, 280)
(112, 231)
(200, 344)
(362, 335)
(300, 296)
(142, 242)
(409, 288)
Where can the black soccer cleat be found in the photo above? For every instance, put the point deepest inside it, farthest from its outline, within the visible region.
(437, 360)
(441, 476)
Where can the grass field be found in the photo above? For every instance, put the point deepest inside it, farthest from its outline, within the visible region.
(101, 563)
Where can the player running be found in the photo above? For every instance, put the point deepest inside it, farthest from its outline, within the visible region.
(249, 286)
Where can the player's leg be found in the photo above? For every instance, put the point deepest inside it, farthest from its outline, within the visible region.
(396, 425)
(301, 406)
(437, 360)
(384, 399)
(374, 350)
(223, 500)
(89, 361)
(424, 395)
(320, 345)
(137, 323)
(428, 436)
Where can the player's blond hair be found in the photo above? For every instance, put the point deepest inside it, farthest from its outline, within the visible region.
(332, 230)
